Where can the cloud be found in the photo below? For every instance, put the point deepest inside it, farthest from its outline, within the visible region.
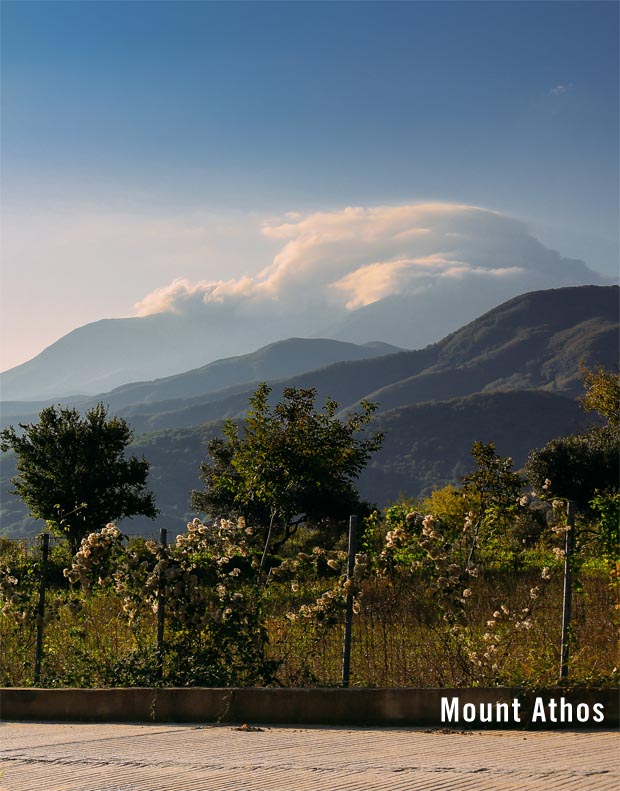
(330, 263)
(561, 88)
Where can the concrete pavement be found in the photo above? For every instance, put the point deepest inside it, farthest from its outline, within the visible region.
(165, 757)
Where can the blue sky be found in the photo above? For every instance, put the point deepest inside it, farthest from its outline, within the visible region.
(236, 112)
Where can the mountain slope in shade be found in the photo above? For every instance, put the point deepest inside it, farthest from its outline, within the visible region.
(428, 445)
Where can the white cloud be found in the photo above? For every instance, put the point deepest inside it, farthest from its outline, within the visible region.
(561, 88)
(333, 262)
(251, 281)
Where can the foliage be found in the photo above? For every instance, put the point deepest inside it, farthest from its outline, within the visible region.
(578, 466)
(207, 579)
(72, 471)
(287, 465)
(493, 491)
(450, 506)
(424, 617)
(481, 652)
(608, 509)
(602, 394)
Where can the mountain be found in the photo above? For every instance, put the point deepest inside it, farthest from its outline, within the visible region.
(536, 341)
(111, 352)
(511, 376)
(429, 445)
(275, 361)
(432, 302)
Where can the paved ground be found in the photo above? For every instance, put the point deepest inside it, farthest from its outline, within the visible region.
(62, 757)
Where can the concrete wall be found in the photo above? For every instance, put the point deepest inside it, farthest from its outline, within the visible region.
(378, 707)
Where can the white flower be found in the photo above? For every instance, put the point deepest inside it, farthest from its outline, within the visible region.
(545, 573)
(467, 593)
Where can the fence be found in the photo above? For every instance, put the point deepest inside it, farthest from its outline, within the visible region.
(396, 636)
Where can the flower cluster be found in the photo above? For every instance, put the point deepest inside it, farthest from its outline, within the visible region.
(322, 563)
(12, 596)
(200, 577)
(94, 560)
(327, 607)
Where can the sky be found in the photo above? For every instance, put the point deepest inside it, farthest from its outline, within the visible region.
(155, 150)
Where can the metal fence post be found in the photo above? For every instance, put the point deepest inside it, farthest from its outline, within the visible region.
(348, 621)
(160, 609)
(38, 651)
(568, 586)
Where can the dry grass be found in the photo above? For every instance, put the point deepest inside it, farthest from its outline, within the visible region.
(399, 638)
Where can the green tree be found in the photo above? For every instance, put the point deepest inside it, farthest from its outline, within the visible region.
(492, 491)
(602, 394)
(72, 472)
(287, 465)
(580, 465)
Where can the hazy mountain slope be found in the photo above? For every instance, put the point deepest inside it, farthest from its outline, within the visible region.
(106, 354)
(276, 361)
(182, 391)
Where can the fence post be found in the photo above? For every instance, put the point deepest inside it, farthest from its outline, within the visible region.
(38, 651)
(568, 586)
(348, 621)
(160, 609)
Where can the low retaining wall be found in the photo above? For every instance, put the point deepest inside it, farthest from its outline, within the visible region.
(496, 707)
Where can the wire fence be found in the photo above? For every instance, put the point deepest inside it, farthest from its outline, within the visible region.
(397, 633)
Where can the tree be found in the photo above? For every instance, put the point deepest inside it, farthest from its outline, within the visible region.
(72, 472)
(580, 465)
(602, 394)
(287, 465)
(492, 491)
